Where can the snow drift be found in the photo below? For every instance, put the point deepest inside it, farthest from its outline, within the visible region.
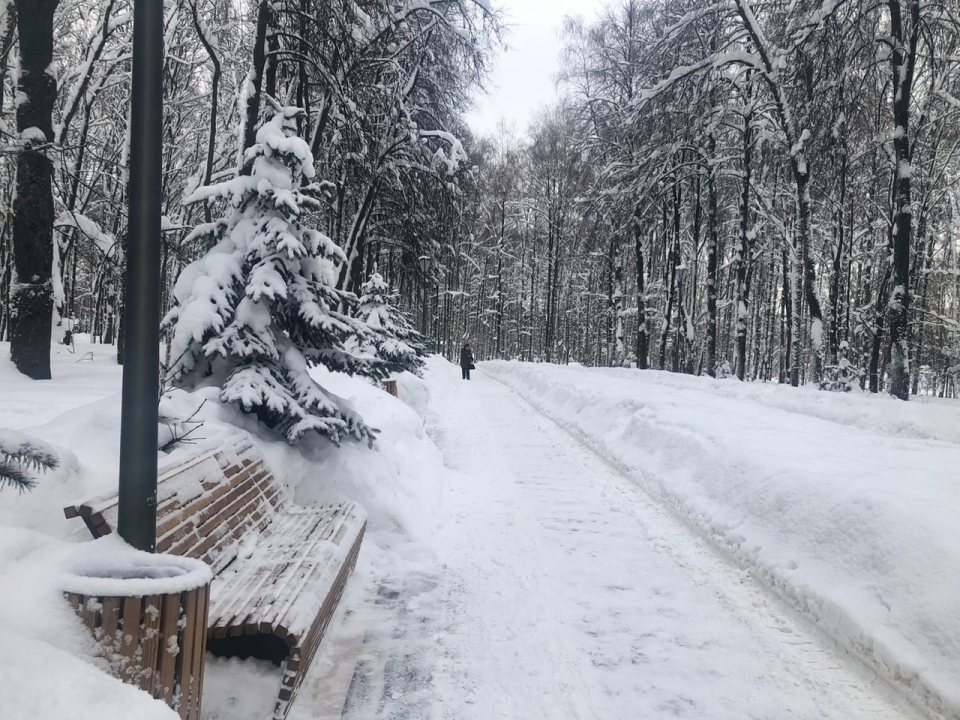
(845, 506)
(48, 664)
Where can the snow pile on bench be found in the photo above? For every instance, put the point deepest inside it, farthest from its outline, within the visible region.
(281, 568)
(847, 508)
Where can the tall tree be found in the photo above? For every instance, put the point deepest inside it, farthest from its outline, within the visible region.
(32, 288)
(904, 35)
(258, 309)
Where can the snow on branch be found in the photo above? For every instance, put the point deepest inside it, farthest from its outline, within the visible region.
(104, 241)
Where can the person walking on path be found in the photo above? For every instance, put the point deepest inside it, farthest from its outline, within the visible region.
(466, 361)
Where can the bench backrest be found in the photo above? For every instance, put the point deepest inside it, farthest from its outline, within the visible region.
(205, 504)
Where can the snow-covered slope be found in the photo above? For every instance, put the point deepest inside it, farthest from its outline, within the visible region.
(847, 506)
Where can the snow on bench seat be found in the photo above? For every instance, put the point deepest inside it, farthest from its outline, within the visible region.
(280, 568)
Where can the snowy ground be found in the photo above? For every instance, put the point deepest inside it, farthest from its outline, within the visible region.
(78, 413)
(845, 505)
(561, 590)
(514, 568)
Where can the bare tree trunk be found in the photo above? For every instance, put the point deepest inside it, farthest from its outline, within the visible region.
(551, 288)
(643, 337)
(878, 333)
(673, 260)
(712, 237)
(621, 348)
(32, 292)
(743, 258)
(503, 225)
(255, 83)
(799, 165)
(214, 100)
(903, 60)
(837, 271)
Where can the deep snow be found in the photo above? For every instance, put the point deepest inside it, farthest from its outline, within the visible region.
(846, 505)
(78, 414)
(508, 571)
(555, 587)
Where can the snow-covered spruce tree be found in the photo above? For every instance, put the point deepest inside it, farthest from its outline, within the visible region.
(261, 306)
(393, 340)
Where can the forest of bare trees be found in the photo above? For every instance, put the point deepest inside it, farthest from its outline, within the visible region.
(766, 190)
(758, 189)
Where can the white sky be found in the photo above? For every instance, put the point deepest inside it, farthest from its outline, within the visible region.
(524, 76)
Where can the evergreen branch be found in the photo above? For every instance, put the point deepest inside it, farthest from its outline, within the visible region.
(23, 450)
(12, 476)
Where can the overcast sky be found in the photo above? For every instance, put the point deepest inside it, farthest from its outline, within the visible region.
(523, 79)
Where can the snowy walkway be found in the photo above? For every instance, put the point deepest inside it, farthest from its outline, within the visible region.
(565, 592)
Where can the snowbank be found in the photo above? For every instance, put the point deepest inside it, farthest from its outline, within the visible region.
(845, 505)
(81, 375)
(77, 413)
(398, 481)
(48, 666)
(42, 682)
(923, 418)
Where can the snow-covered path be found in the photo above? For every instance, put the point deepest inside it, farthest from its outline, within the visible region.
(565, 592)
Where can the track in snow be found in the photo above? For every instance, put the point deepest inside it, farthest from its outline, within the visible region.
(563, 591)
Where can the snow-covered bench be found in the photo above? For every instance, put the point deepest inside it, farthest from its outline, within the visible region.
(280, 568)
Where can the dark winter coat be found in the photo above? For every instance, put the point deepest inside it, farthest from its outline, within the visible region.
(466, 357)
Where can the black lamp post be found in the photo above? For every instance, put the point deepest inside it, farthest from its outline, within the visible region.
(137, 512)
(426, 262)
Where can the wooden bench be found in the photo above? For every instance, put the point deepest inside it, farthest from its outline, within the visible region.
(280, 569)
(391, 387)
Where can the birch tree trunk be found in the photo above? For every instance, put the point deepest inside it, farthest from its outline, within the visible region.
(712, 236)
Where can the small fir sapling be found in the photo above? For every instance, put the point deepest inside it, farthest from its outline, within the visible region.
(724, 370)
(842, 377)
(261, 306)
(393, 339)
(19, 454)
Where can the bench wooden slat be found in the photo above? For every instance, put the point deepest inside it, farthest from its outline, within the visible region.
(299, 577)
(188, 657)
(242, 590)
(288, 585)
(303, 543)
(255, 581)
(152, 607)
(169, 630)
(250, 598)
(130, 638)
(199, 647)
(111, 623)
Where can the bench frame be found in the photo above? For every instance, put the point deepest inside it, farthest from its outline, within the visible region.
(207, 504)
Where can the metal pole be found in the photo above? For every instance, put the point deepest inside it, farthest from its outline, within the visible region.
(423, 305)
(137, 521)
